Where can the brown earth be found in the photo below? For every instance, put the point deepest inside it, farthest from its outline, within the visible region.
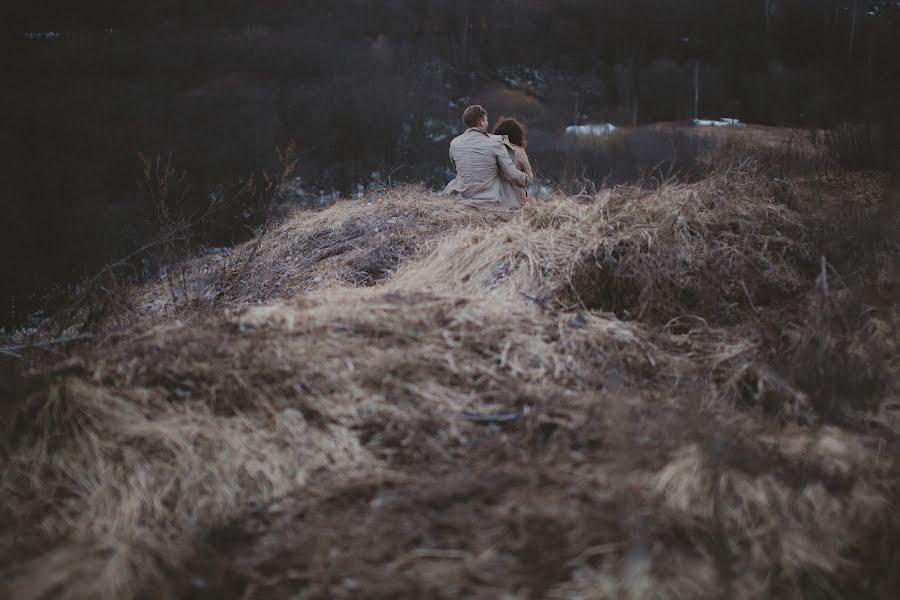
(638, 394)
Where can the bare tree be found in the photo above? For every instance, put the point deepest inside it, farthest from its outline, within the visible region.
(467, 25)
(854, 12)
(696, 89)
(768, 13)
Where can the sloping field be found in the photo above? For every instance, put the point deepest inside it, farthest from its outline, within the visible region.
(640, 394)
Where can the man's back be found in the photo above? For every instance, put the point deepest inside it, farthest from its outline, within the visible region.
(486, 173)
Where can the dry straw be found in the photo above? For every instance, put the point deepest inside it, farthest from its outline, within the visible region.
(309, 416)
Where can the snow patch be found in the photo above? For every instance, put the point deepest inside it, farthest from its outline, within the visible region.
(43, 35)
(523, 78)
(591, 130)
(725, 122)
(438, 131)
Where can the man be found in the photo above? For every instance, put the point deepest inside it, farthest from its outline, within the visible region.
(486, 173)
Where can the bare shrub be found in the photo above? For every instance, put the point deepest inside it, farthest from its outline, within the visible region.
(646, 154)
(858, 146)
(183, 218)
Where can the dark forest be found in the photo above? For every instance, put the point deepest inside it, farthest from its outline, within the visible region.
(364, 92)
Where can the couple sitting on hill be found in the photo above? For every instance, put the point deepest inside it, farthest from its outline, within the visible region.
(492, 169)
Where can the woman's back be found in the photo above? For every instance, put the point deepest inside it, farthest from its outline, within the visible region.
(522, 162)
(515, 133)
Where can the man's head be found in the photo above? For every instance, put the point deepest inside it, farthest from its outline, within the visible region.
(475, 116)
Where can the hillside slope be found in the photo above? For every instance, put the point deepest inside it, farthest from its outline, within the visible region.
(639, 394)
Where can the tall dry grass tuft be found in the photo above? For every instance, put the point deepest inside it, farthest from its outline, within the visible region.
(842, 355)
(721, 249)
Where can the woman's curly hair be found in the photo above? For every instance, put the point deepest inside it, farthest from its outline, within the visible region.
(512, 129)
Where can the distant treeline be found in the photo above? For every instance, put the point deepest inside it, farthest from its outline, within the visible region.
(370, 89)
(740, 34)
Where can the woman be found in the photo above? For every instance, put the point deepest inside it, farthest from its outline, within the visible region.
(515, 133)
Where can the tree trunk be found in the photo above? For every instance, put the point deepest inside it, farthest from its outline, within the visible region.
(634, 96)
(465, 33)
(767, 14)
(696, 89)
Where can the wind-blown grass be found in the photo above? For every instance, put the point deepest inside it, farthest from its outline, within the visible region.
(406, 397)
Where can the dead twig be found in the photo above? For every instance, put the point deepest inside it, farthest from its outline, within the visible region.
(491, 419)
(12, 350)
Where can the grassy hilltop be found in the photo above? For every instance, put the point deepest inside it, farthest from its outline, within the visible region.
(690, 391)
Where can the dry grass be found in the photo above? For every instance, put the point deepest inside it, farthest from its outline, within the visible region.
(718, 249)
(355, 243)
(598, 397)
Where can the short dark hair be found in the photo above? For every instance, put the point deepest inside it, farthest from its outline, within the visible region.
(512, 129)
(473, 115)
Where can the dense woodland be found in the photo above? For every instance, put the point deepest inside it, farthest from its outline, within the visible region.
(367, 90)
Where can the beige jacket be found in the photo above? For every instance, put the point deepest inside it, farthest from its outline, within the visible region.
(486, 173)
(523, 165)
